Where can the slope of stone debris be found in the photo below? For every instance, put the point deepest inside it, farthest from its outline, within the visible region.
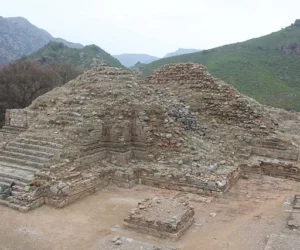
(176, 115)
(179, 125)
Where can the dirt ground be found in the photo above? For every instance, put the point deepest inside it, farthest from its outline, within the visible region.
(245, 218)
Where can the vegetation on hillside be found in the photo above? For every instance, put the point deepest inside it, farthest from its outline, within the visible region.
(23, 81)
(84, 58)
(261, 68)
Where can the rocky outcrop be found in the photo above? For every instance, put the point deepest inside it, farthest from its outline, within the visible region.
(291, 49)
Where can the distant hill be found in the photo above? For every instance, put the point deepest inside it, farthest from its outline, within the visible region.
(18, 37)
(265, 68)
(84, 58)
(181, 51)
(129, 60)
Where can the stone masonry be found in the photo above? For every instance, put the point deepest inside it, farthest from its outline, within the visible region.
(179, 129)
(165, 218)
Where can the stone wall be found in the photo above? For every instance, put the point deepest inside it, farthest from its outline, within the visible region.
(280, 169)
(275, 153)
(189, 183)
(18, 117)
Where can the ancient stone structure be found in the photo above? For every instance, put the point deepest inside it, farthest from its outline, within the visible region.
(179, 129)
(209, 97)
(164, 218)
(296, 202)
(16, 121)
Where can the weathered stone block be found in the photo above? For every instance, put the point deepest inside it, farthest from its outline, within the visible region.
(161, 217)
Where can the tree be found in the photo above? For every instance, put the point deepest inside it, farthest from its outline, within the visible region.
(23, 81)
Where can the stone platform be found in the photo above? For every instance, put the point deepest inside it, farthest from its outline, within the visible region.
(161, 217)
(283, 242)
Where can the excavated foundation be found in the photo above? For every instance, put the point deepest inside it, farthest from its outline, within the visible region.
(164, 218)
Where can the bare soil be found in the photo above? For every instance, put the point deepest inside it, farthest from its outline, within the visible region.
(241, 220)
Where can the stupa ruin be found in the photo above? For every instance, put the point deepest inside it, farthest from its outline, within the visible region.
(180, 129)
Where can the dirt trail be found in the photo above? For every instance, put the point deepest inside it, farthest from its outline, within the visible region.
(245, 217)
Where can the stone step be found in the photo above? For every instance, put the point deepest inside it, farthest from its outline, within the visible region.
(19, 175)
(69, 118)
(3, 131)
(258, 159)
(13, 128)
(38, 137)
(33, 147)
(26, 157)
(8, 181)
(40, 143)
(21, 162)
(20, 167)
(29, 152)
(13, 205)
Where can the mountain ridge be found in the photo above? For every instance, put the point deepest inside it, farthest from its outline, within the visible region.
(19, 37)
(130, 59)
(84, 58)
(264, 68)
(181, 51)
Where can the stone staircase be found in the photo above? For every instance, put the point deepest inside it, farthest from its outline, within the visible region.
(13, 130)
(21, 159)
(8, 133)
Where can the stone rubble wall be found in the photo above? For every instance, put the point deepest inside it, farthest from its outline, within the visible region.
(281, 170)
(77, 192)
(144, 218)
(189, 183)
(276, 154)
(75, 187)
(18, 118)
(210, 96)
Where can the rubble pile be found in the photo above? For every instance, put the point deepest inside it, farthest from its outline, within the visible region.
(209, 97)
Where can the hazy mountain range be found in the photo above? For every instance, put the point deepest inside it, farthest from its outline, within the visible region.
(129, 60)
(18, 37)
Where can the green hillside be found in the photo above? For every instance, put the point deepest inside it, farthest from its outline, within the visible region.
(265, 68)
(84, 58)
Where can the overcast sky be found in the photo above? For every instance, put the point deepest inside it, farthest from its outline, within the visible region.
(155, 27)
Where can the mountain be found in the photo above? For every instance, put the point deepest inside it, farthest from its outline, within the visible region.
(181, 51)
(129, 60)
(265, 68)
(18, 37)
(84, 58)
